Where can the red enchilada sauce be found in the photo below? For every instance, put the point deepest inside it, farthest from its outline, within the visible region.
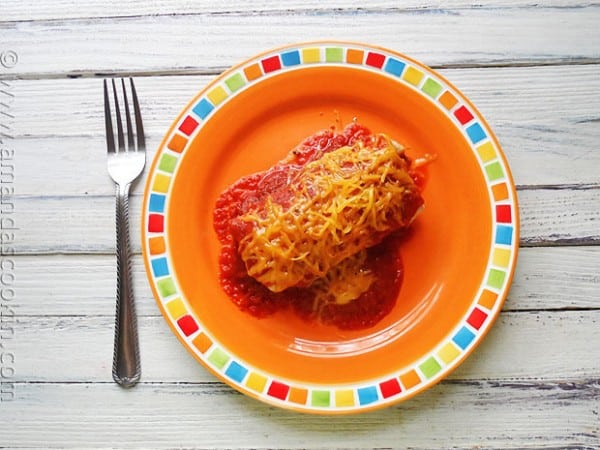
(383, 260)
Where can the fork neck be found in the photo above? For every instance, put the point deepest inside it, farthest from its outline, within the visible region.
(123, 189)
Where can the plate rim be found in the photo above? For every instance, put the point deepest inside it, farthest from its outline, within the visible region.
(305, 53)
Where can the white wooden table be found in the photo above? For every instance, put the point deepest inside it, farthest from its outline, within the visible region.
(533, 72)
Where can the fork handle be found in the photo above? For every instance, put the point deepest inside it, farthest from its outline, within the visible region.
(126, 358)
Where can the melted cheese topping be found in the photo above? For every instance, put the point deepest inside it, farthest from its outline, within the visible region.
(343, 282)
(342, 203)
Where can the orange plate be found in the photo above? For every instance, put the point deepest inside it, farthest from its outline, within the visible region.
(459, 258)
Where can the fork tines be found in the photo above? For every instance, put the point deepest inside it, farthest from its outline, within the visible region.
(120, 97)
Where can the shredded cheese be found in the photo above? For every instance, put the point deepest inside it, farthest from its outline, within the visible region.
(342, 203)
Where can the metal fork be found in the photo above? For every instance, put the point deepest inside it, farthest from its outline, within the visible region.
(125, 163)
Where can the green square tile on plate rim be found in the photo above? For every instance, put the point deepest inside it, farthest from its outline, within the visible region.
(320, 398)
(167, 163)
(430, 367)
(494, 171)
(431, 87)
(166, 287)
(218, 357)
(496, 278)
(235, 82)
(334, 54)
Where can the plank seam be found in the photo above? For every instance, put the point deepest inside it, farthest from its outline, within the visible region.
(215, 71)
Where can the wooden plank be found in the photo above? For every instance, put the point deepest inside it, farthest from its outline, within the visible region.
(555, 278)
(485, 414)
(63, 120)
(61, 9)
(550, 278)
(86, 224)
(559, 345)
(199, 43)
(557, 217)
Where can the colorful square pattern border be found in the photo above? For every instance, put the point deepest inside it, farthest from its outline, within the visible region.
(392, 387)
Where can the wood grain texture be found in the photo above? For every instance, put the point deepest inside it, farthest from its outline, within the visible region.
(559, 346)
(552, 278)
(205, 43)
(489, 414)
(59, 10)
(548, 128)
